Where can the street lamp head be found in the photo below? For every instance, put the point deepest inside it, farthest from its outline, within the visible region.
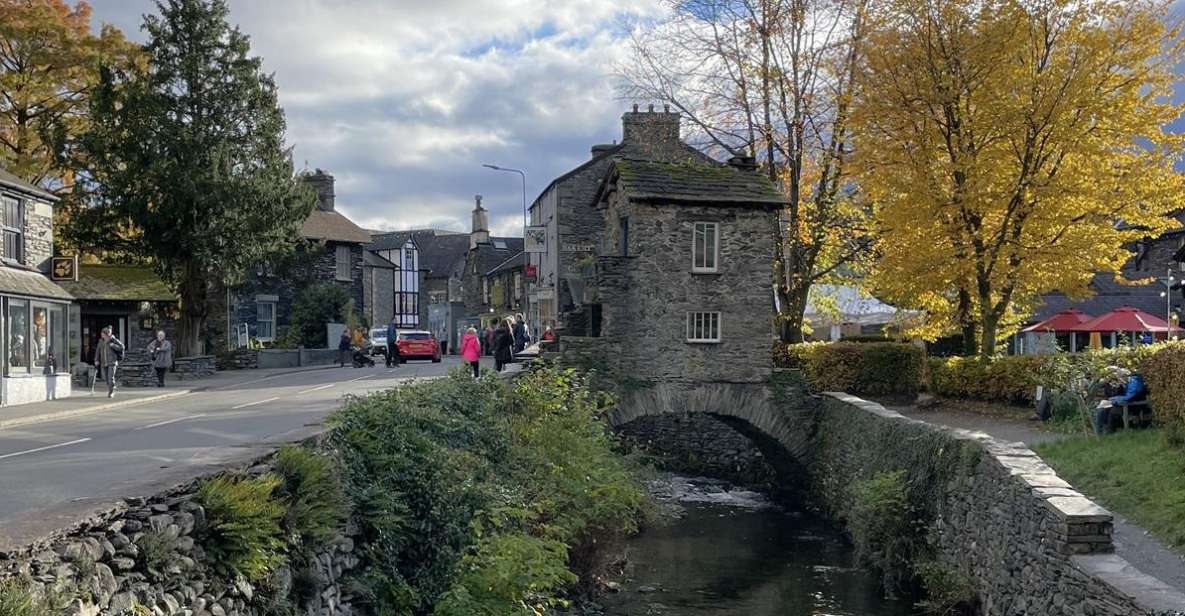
(494, 167)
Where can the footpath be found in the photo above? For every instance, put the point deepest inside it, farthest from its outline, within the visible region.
(1133, 543)
(83, 402)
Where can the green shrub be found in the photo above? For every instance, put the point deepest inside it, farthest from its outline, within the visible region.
(314, 307)
(242, 531)
(156, 551)
(884, 528)
(1164, 372)
(316, 506)
(875, 368)
(511, 573)
(948, 591)
(17, 600)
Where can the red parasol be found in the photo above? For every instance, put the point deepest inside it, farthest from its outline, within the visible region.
(1125, 319)
(1063, 321)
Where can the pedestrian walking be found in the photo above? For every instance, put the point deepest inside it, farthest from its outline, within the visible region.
(393, 358)
(108, 354)
(161, 351)
(487, 339)
(471, 350)
(503, 345)
(343, 349)
(521, 337)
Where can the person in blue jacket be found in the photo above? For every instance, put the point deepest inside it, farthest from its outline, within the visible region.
(1134, 391)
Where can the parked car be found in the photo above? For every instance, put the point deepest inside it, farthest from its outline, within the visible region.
(418, 344)
(378, 340)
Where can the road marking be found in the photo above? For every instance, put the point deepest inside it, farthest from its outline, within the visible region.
(318, 388)
(360, 378)
(169, 421)
(47, 447)
(243, 406)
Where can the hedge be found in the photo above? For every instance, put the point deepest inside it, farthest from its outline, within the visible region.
(1164, 372)
(875, 368)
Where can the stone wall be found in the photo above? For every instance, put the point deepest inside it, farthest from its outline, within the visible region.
(699, 444)
(38, 234)
(646, 295)
(998, 514)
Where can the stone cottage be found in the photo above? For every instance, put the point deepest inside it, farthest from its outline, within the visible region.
(684, 274)
(485, 254)
(507, 283)
(131, 299)
(34, 312)
(573, 228)
(332, 252)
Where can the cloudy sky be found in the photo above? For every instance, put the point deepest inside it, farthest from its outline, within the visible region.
(403, 100)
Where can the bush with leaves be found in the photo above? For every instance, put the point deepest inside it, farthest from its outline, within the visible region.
(314, 307)
(242, 531)
(1165, 375)
(885, 529)
(876, 368)
(316, 507)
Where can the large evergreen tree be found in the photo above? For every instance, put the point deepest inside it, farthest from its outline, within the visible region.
(190, 154)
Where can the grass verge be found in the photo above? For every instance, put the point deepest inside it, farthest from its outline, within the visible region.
(1135, 473)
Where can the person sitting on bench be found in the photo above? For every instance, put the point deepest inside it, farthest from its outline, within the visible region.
(1134, 391)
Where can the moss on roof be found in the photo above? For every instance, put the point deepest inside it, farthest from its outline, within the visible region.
(689, 182)
(119, 283)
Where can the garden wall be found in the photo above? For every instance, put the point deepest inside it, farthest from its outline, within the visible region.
(144, 556)
(997, 514)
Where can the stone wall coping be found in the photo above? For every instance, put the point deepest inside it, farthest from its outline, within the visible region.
(1067, 505)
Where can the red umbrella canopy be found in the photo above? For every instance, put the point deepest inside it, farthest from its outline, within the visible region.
(1063, 321)
(1125, 319)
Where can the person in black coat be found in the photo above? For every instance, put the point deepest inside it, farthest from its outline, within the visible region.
(503, 345)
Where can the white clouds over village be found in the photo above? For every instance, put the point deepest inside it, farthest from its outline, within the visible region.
(403, 101)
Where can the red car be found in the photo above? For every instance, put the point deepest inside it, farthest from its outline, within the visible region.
(415, 344)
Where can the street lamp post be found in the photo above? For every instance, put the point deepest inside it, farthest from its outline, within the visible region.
(523, 176)
(1169, 283)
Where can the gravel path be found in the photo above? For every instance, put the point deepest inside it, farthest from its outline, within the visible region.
(1142, 550)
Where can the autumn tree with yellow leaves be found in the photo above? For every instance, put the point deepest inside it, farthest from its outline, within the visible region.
(1013, 148)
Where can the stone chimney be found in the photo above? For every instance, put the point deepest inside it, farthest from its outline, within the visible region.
(481, 226)
(650, 128)
(602, 148)
(322, 182)
(743, 163)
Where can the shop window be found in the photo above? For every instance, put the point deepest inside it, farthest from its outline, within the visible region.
(18, 336)
(40, 338)
(58, 336)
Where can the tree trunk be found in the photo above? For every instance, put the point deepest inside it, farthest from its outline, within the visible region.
(192, 289)
(987, 343)
(967, 324)
(792, 314)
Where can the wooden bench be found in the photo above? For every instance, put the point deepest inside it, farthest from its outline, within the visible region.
(1136, 411)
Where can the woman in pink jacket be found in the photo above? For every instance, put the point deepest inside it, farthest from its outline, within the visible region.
(471, 349)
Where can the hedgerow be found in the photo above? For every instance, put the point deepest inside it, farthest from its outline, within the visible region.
(1165, 374)
(856, 367)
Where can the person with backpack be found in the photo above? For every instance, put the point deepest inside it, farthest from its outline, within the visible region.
(107, 357)
(161, 351)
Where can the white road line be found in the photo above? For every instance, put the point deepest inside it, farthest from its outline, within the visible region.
(318, 388)
(47, 447)
(169, 421)
(243, 406)
(360, 378)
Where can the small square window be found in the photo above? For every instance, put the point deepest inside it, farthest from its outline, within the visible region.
(703, 327)
(705, 247)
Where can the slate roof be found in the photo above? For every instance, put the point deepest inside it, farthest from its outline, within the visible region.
(518, 261)
(1109, 295)
(623, 149)
(373, 259)
(135, 283)
(30, 283)
(691, 183)
(439, 252)
(10, 180)
(333, 227)
(489, 257)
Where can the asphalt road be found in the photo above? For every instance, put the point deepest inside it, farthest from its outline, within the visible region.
(68, 464)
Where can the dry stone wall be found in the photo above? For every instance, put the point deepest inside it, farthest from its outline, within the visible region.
(145, 556)
(998, 514)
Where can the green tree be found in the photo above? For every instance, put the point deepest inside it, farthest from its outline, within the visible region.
(190, 152)
(317, 305)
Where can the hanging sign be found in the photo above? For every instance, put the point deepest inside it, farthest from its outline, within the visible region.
(536, 240)
(64, 269)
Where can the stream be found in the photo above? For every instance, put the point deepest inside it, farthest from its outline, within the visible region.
(726, 550)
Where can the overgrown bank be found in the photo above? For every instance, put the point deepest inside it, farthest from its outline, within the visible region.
(451, 497)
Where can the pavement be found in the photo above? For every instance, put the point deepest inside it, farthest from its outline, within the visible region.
(65, 460)
(1133, 543)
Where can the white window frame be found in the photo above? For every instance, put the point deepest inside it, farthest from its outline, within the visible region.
(700, 328)
(259, 330)
(344, 268)
(695, 249)
(13, 229)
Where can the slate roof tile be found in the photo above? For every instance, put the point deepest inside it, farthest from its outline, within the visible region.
(693, 183)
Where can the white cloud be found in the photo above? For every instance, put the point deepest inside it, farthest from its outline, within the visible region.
(404, 100)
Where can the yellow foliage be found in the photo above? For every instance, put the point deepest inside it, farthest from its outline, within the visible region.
(1013, 148)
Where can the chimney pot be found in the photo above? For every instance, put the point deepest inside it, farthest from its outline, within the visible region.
(635, 107)
(651, 108)
(743, 163)
(666, 108)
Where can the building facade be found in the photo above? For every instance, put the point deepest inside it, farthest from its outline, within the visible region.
(485, 254)
(332, 252)
(574, 228)
(684, 276)
(34, 312)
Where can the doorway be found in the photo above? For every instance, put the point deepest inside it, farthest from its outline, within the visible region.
(92, 324)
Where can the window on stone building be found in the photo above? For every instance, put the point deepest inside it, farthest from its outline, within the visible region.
(705, 246)
(703, 327)
(625, 236)
(12, 221)
(343, 263)
(265, 320)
